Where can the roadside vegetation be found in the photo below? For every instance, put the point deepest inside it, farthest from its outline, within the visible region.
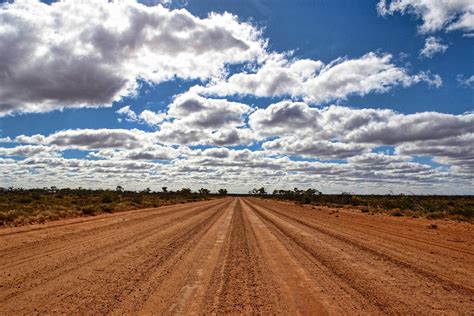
(429, 206)
(21, 206)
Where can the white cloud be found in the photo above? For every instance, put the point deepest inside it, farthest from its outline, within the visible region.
(284, 118)
(152, 118)
(130, 115)
(147, 152)
(366, 126)
(401, 128)
(93, 52)
(198, 112)
(437, 15)
(29, 151)
(433, 46)
(197, 120)
(237, 170)
(456, 151)
(91, 139)
(145, 117)
(467, 82)
(316, 82)
(297, 146)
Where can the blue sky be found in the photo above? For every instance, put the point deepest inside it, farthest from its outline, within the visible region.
(365, 113)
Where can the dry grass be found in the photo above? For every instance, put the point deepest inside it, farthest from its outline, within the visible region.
(433, 207)
(19, 207)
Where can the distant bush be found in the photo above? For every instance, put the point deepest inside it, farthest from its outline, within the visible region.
(434, 206)
(20, 206)
(25, 200)
(88, 211)
(107, 208)
(107, 197)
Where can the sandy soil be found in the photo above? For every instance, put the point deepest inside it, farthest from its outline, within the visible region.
(238, 255)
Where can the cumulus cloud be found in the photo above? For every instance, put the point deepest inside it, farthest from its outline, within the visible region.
(91, 139)
(152, 118)
(234, 168)
(145, 117)
(195, 111)
(296, 146)
(29, 151)
(371, 126)
(413, 127)
(197, 120)
(148, 152)
(316, 82)
(455, 151)
(433, 46)
(283, 118)
(91, 53)
(436, 15)
(337, 132)
(285, 128)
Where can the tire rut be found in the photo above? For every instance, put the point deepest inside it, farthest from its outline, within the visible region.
(342, 270)
(464, 289)
(98, 255)
(240, 285)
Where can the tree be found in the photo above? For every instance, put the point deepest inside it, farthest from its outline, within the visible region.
(185, 191)
(165, 189)
(204, 191)
(119, 189)
(261, 191)
(222, 191)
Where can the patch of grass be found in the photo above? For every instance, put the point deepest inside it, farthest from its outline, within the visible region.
(436, 215)
(19, 207)
(428, 206)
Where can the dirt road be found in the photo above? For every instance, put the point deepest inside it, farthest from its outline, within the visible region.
(238, 255)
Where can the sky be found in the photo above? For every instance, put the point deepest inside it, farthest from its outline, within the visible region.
(342, 96)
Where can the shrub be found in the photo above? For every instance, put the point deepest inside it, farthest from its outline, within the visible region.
(106, 197)
(107, 208)
(88, 211)
(25, 200)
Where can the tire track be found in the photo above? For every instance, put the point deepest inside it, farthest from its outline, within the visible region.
(83, 221)
(353, 264)
(234, 255)
(465, 289)
(96, 232)
(240, 284)
(299, 245)
(184, 290)
(70, 265)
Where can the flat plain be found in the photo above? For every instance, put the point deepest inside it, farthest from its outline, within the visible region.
(238, 255)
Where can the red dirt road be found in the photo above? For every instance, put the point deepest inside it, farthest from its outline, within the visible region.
(238, 255)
